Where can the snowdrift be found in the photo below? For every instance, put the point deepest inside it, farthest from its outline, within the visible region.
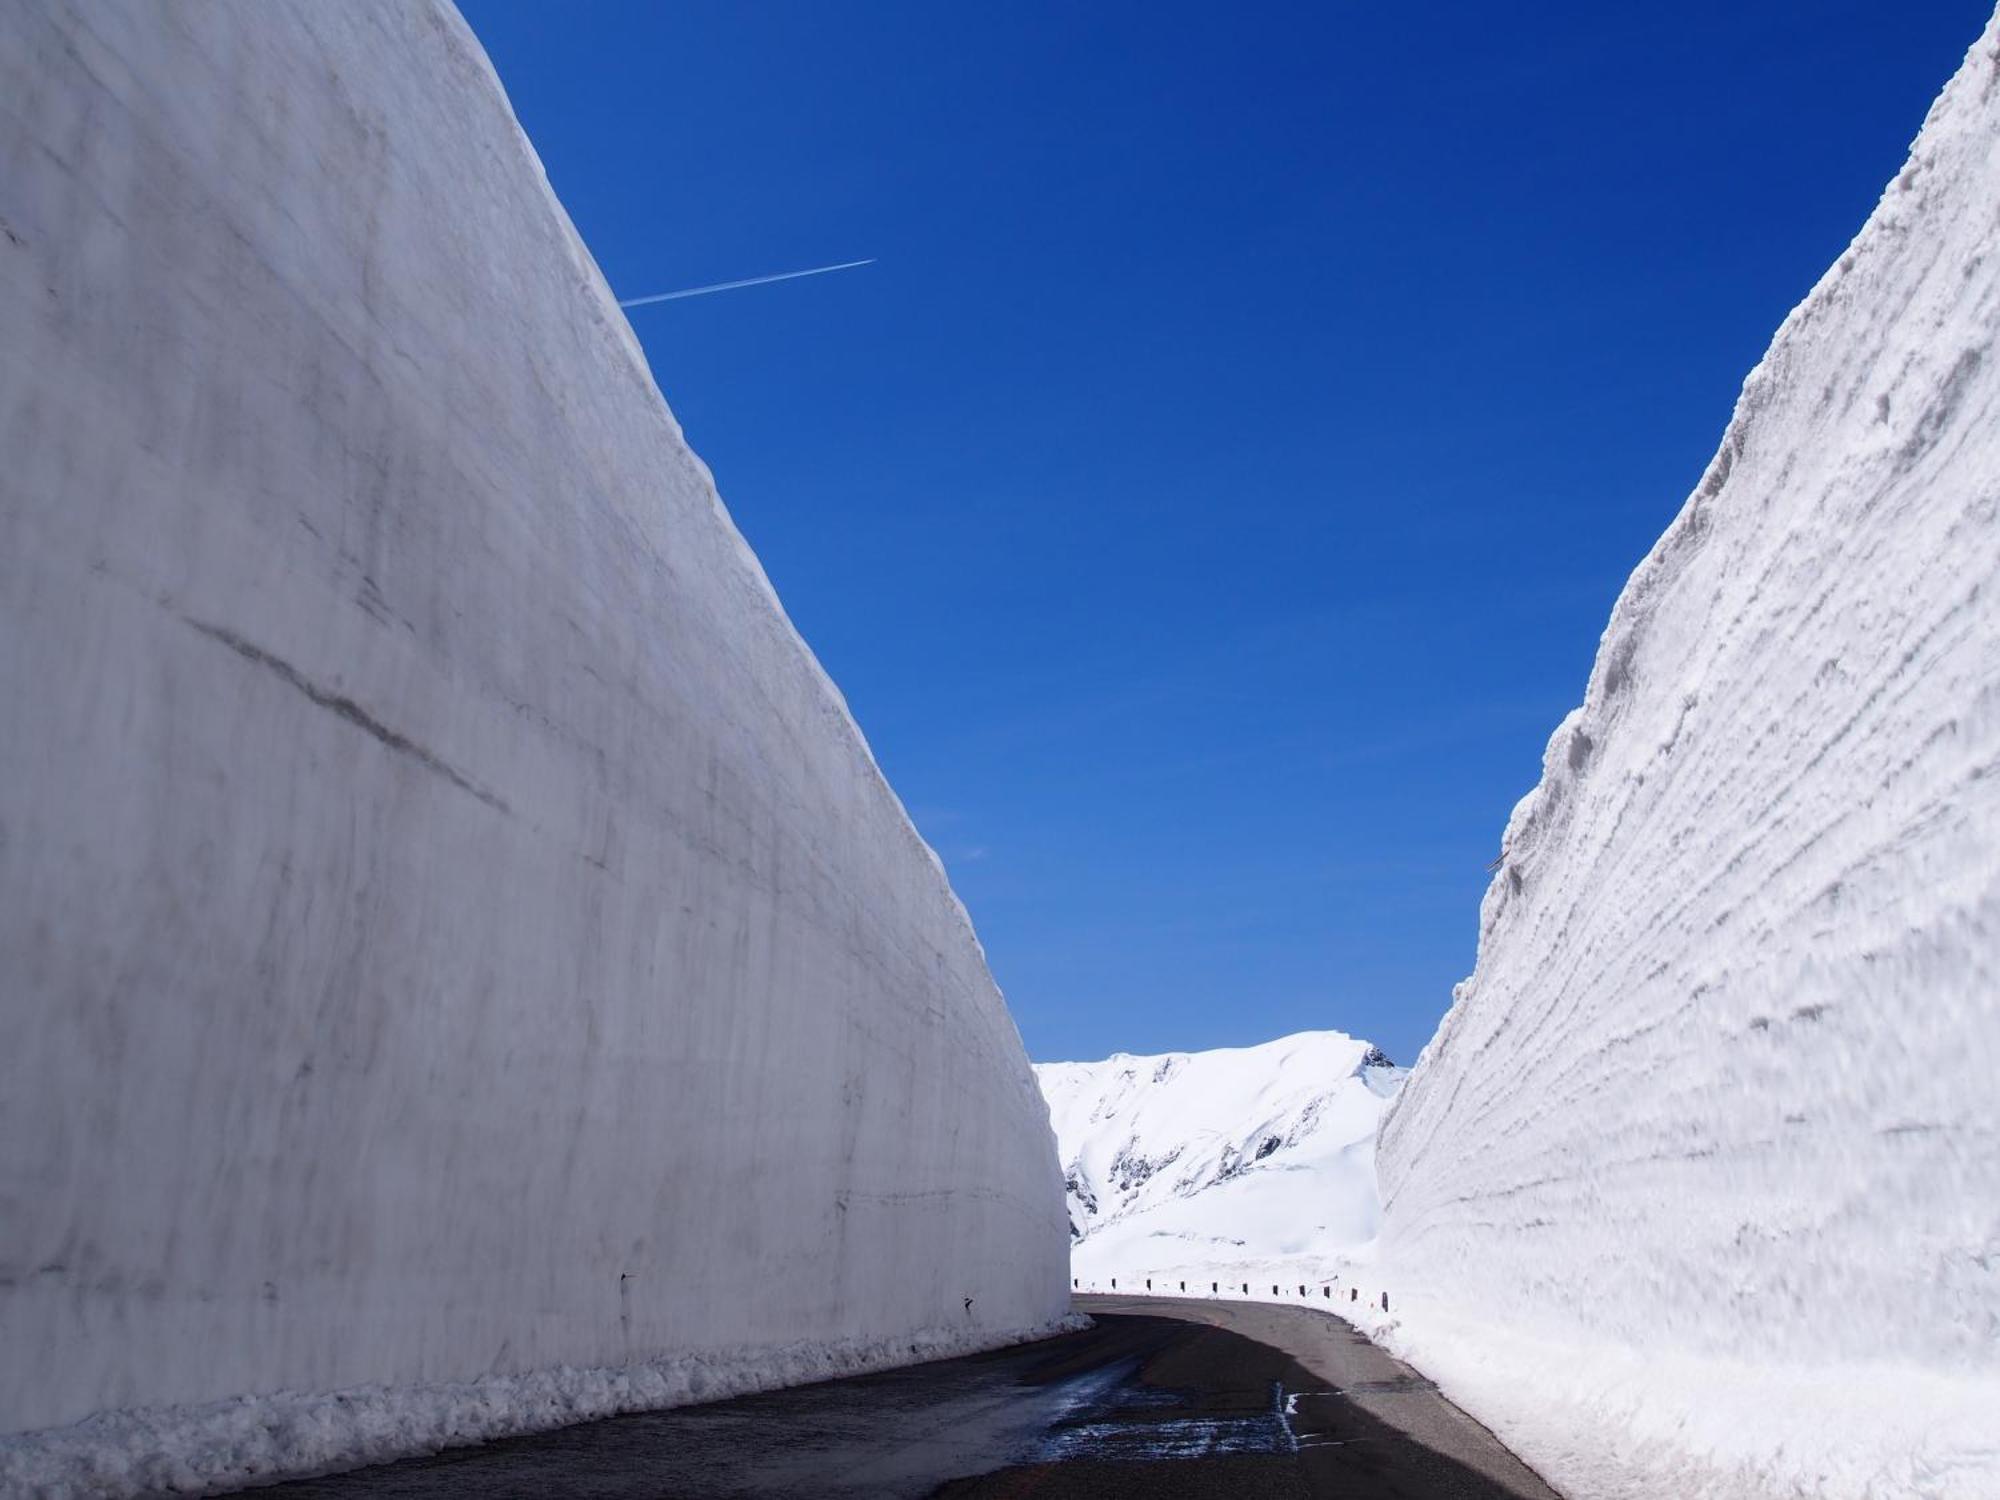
(1697, 1189)
(463, 969)
(1238, 1163)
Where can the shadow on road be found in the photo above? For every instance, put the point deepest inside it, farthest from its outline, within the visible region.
(1159, 1402)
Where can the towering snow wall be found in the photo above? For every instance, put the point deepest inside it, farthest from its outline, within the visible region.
(451, 931)
(1697, 1189)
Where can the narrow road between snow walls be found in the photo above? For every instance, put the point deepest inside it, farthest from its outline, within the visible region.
(1164, 1397)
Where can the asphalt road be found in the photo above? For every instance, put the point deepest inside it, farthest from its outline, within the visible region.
(1165, 1397)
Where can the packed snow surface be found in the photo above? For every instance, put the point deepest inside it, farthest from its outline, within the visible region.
(1696, 1192)
(463, 968)
(1241, 1161)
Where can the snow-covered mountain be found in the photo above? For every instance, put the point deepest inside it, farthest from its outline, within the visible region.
(1696, 1192)
(461, 968)
(1196, 1162)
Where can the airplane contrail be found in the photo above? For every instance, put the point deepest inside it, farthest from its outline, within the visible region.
(730, 286)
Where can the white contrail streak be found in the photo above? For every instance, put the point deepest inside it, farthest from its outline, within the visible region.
(730, 286)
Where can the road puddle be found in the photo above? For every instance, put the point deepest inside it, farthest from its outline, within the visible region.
(1134, 1423)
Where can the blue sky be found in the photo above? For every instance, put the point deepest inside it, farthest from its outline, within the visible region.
(1211, 500)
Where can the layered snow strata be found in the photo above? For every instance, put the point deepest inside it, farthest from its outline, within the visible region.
(1242, 1161)
(455, 938)
(1697, 1189)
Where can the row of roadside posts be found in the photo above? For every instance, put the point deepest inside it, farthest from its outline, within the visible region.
(1215, 1289)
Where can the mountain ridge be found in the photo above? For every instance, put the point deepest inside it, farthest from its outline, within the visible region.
(1209, 1160)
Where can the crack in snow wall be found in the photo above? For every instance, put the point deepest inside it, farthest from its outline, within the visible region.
(1697, 1189)
(452, 928)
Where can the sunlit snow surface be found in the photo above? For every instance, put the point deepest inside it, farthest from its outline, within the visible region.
(1697, 1190)
(1244, 1161)
(460, 966)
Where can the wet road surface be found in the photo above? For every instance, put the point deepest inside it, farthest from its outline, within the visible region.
(1164, 1397)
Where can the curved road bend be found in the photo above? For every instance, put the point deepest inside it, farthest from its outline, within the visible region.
(1164, 1397)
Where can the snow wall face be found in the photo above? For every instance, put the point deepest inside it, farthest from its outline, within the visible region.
(1722, 1083)
(452, 927)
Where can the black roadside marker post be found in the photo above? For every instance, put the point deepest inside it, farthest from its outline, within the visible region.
(1385, 1302)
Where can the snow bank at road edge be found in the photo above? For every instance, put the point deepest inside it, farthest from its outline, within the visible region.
(1600, 1422)
(258, 1439)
